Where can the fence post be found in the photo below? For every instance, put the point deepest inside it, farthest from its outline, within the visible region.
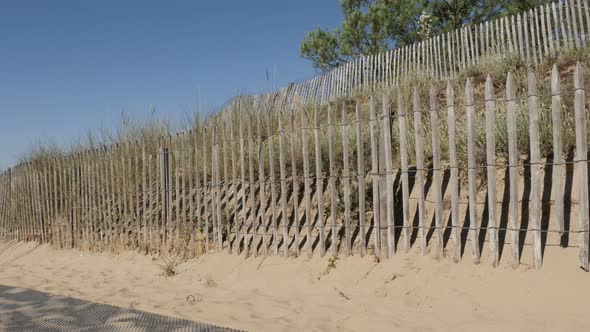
(361, 178)
(403, 150)
(346, 179)
(513, 165)
(419, 169)
(332, 181)
(535, 158)
(295, 185)
(375, 176)
(472, 172)
(581, 162)
(319, 181)
(390, 207)
(558, 161)
(436, 182)
(490, 104)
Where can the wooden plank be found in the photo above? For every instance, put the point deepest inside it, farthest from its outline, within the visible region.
(114, 198)
(162, 187)
(346, 179)
(490, 105)
(177, 153)
(537, 45)
(332, 180)
(319, 181)
(219, 222)
(251, 189)
(234, 187)
(273, 195)
(436, 178)
(558, 160)
(581, 25)
(472, 172)
(513, 165)
(549, 30)
(151, 196)
(581, 163)
(587, 15)
(520, 36)
(572, 12)
(563, 14)
(361, 178)
(390, 206)
(137, 207)
(262, 185)
(99, 200)
(526, 38)
(558, 32)
(403, 150)
(283, 179)
(306, 178)
(375, 176)
(191, 201)
(198, 188)
(225, 195)
(535, 158)
(419, 168)
(294, 176)
(183, 190)
(242, 227)
(206, 192)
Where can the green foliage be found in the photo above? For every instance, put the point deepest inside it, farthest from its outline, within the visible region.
(373, 26)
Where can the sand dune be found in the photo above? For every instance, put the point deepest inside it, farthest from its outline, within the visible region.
(408, 292)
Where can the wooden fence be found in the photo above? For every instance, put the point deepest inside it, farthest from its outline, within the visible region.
(332, 178)
(542, 32)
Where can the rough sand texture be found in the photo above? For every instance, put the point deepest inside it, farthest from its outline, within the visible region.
(408, 292)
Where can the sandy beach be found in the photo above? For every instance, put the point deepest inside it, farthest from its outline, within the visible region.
(409, 292)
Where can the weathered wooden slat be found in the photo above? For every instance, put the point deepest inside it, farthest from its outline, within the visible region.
(319, 181)
(283, 179)
(558, 160)
(375, 176)
(390, 206)
(490, 105)
(572, 11)
(273, 195)
(251, 191)
(177, 156)
(218, 189)
(513, 165)
(151, 195)
(535, 158)
(437, 171)
(472, 172)
(332, 181)
(230, 192)
(581, 24)
(403, 150)
(294, 176)
(361, 178)
(419, 168)
(581, 163)
(527, 49)
(306, 179)
(137, 192)
(206, 186)
(563, 18)
(346, 179)
(261, 185)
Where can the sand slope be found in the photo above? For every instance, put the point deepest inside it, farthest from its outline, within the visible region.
(406, 293)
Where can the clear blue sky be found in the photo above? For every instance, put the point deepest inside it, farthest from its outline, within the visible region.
(67, 67)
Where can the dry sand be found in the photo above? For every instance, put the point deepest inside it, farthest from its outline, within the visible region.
(407, 292)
